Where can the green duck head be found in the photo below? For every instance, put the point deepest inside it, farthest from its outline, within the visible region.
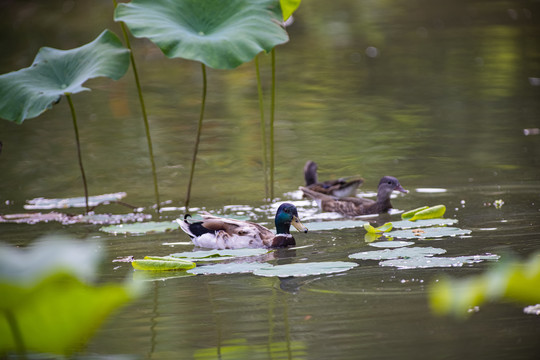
(286, 216)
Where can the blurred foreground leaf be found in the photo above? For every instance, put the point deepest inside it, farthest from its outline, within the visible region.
(48, 304)
(509, 280)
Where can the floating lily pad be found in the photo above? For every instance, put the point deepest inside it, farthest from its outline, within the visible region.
(335, 225)
(305, 269)
(436, 261)
(141, 228)
(402, 252)
(391, 244)
(65, 219)
(433, 212)
(219, 255)
(409, 214)
(229, 268)
(162, 264)
(406, 224)
(44, 204)
(428, 233)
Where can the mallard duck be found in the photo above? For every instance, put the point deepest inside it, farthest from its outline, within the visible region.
(355, 206)
(342, 187)
(221, 233)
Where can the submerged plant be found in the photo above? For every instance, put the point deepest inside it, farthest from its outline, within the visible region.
(27, 93)
(219, 34)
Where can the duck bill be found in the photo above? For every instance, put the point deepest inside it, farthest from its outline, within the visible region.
(298, 225)
(401, 189)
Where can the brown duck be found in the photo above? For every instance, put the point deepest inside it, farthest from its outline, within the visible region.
(339, 188)
(355, 206)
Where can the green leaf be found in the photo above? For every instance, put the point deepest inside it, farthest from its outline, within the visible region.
(149, 227)
(409, 214)
(288, 7)
(435, 261)
(391, 244)
(305, 269)
(220, 34)
(26, 93)
(162, 264)
(424, 213)
(47, 298)
(379, 230)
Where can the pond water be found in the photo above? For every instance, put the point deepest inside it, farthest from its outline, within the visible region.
(438, 94)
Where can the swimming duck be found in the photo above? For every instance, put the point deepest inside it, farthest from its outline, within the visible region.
(342, 187)
(355, 206)
(221, 233)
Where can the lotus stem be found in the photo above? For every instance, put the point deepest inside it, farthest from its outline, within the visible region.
(74, 117)
(272, 116)
(263, 126)
(16, 332)
(197, 139)
(143, 110)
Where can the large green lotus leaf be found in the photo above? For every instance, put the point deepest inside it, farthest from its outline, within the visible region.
(28, 92)
(435, 261)
(397, 253)
(391, 244)
(305, 269)
(150, 227)
(220, 34)
(58, 314)
(428, 233)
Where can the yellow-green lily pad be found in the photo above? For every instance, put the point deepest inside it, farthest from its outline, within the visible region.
(162, 264)
(424, 213)
(409, 214)
(378, 230)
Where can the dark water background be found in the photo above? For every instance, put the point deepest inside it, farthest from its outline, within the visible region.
(435, 93)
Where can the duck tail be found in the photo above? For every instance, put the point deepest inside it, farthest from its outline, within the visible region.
(316, 195)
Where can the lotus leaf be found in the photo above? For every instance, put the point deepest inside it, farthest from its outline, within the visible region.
(435, 261)
(429, 213)
(28, 92)
(150, 227)
(428, 233)
(402, 252)
(305, 269)
(391, 244)
(229, 268)
(406, 224)
(162, 264)
(409, 214)
(45, 204)
(334, 225)
(220, 34)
